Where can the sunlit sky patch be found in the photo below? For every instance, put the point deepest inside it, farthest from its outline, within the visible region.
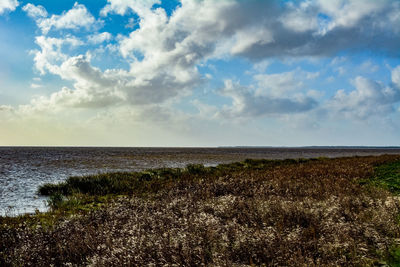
(199, 73)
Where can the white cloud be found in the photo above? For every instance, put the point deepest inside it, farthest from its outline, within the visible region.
(247, 103)
(300, 18)
(51, 52)
(35, 85)
(338, 60)
(396, 76)
(278, 84)
(352, 24)
(35, 12)
(369, 67)
(92, 88)
(261, 66)
(349, 13)
(205, 111)
(131, 23)
(75, 18)
(164, 52)
(284, 83)
(368, 99)
(208, 76)
(8, 5)
(121, 7)
(99, 38)
(249, 37)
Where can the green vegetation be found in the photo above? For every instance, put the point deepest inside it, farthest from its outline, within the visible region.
(151, 181)
(388, 177)
(256, 212)
(393, 257)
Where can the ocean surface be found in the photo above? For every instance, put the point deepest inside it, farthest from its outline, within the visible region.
(24, 169)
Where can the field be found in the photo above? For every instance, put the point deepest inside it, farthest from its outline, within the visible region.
(305, 212)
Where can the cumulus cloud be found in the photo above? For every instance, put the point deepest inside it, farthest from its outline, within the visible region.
(75, 18)
(247, 103)
(249, 37)
(278, 84)
(255, 29)
(283, 83)
(92, 88)
(368, 66)
(322, 28)
(121, 7)
(8, 5)
(158, 60)
(349, 14)
(164, 52)
(396, 76)
(300, 18)
(99, 38)
(51, 52)
(368, 99)
(35, 12)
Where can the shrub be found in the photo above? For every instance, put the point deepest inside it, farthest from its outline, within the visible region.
(196, 168)
(55, 200)
(50, 189)
(257, 212)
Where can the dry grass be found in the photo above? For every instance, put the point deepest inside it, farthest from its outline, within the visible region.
(297, 214)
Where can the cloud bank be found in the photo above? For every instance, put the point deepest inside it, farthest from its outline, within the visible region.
(168, 58)
(8, 5)
(164, 51)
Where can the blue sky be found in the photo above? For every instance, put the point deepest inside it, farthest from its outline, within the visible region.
(199, 73)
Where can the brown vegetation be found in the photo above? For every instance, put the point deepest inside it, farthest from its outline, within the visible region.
(311, 212)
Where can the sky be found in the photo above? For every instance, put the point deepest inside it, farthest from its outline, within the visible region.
(199, 73)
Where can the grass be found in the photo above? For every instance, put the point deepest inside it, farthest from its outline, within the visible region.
(256, 212)
(388, 177)
(153, 180)
(393, 258)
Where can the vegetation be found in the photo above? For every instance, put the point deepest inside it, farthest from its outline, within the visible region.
(388, 176)
(342, 211)
(151, 181)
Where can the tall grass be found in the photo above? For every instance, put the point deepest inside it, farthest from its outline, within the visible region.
(152, 180)
(256, 212)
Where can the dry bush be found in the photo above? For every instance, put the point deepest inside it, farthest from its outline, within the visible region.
(304, 214)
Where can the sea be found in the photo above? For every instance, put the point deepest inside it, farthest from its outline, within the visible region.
(24, 169)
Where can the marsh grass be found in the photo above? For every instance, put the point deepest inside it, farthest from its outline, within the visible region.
(393, 257)
(151, 181)
(324, 212)
(388, 177)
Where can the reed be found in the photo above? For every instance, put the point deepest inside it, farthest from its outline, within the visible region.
(325, 212)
